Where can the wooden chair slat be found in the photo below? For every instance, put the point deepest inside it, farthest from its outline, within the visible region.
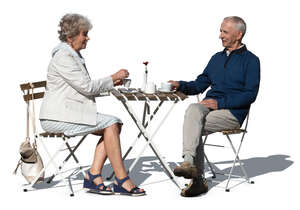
(26, 86)
(28, 97)
(51, 135)
(233, 131)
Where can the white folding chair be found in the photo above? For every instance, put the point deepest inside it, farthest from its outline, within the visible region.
(30, 95)
(236, 159)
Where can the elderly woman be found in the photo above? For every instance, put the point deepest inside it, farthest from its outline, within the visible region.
(69, 105)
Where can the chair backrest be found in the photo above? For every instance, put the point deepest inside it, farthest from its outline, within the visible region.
(29, 90)
(247, 119)
(30, 93)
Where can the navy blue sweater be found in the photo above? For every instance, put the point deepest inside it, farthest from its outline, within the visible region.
(234, 81)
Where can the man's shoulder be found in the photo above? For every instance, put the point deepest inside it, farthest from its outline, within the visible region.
(250, 54)
(245, 52)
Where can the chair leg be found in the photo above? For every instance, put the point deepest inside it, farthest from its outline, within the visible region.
(211, 168)
(51, 161)
(75, 158)
(208, 162)
(66, 160)
(65, 141)
(235, 160)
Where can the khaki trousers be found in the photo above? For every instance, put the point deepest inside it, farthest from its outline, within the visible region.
(198, 119)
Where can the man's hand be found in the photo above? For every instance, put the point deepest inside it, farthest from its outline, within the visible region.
(210, 103)
(175, 84)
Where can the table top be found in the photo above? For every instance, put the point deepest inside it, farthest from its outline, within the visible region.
(136, 95)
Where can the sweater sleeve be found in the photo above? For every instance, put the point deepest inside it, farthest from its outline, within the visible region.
(248, 95)
(71, 73)
(197, 86)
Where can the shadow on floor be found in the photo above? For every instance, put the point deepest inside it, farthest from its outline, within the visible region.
(147, 164)
(254, 167)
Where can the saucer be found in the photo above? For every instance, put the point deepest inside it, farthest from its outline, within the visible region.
(129, 90)
(166, 91)
(147, 92)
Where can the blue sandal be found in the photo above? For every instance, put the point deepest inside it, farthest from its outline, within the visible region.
(119, 190)
(91, 187)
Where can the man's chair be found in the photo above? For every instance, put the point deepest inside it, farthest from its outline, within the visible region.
(236, 161)
(242, 131)
(30, 95)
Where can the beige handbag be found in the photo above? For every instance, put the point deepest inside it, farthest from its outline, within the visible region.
(31, 162)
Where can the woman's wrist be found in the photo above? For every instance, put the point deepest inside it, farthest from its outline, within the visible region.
(115, 77)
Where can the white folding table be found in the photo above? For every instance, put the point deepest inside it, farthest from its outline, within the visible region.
(143, 125)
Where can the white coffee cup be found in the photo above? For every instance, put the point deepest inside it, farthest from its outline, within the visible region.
(126, 83)
(150, 88)
(166, 86)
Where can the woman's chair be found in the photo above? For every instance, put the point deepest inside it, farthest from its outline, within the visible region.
(30, 95)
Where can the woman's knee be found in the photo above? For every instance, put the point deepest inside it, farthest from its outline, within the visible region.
(120, 127)
(115, 127)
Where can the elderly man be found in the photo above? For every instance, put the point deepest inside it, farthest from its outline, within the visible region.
(233, 75)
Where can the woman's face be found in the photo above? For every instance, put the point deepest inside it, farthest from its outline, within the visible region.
(79, 42)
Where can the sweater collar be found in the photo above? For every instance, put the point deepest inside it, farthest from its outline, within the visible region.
(237, 51)
(66, 46)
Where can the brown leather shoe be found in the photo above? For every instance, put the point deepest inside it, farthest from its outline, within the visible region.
(186, 170)
(196, 187)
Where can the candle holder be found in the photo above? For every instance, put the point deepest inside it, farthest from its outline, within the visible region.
(145, 76)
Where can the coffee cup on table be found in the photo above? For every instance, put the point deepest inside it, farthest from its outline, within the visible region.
(166, 86)
(150, 88)
(126, 83)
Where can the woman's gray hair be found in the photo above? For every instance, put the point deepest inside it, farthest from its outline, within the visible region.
(71, 25)
(240, 24)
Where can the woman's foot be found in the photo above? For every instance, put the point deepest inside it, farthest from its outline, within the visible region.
(94, 183)
(97, 181)
(126, 187)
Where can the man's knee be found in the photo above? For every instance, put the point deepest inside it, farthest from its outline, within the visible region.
(196, 110)
(220, 120)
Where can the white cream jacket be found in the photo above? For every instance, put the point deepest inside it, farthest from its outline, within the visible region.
(70, 92)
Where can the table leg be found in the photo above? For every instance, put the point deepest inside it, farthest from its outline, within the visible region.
(149, 139)
(145, 124)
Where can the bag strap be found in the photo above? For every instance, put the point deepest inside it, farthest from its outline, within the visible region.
(28, 124)
(33, 117)
(19, 163)
(27, 121)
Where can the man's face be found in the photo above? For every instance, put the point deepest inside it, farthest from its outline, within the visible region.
(229, 35)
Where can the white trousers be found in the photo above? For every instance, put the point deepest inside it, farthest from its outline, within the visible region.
(198, 119)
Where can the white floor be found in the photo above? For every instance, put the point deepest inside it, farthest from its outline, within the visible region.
(273, 169)
(177, 38)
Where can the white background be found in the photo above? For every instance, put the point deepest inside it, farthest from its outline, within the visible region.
(177, 38)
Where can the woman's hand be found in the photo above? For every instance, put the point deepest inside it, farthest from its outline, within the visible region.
(118, 82)
(120, 75)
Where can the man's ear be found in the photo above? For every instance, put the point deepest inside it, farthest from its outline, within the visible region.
(240, 36)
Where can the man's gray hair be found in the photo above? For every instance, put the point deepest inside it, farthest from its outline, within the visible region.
(240, 24)
(71, 24)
